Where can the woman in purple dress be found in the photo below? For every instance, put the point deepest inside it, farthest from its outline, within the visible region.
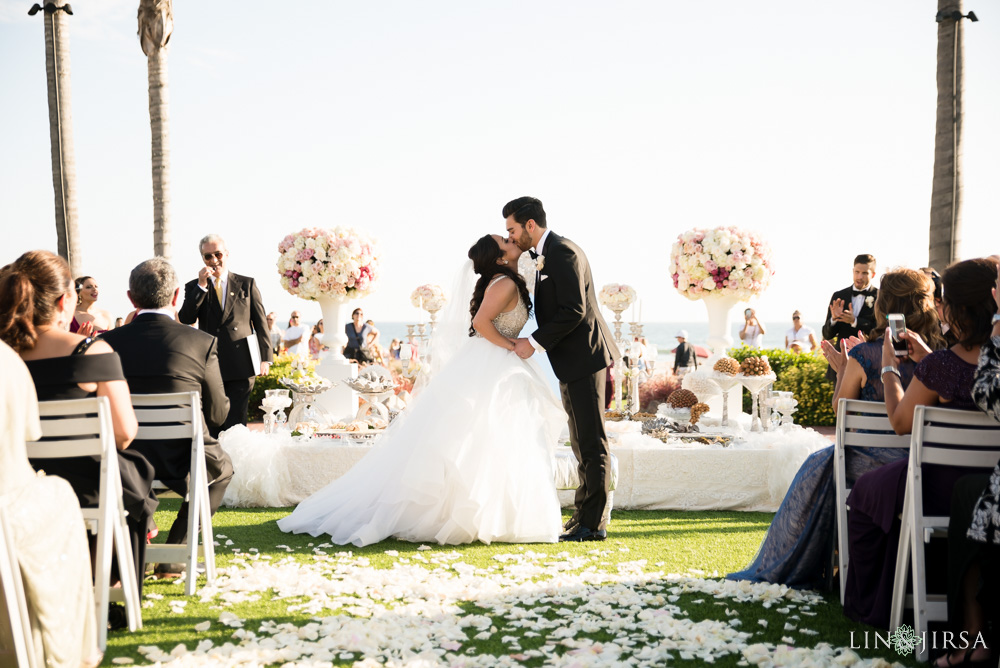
(942, 377)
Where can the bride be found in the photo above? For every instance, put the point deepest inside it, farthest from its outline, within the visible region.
(471, 458)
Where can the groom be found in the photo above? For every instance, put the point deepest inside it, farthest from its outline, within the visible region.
(580, 348)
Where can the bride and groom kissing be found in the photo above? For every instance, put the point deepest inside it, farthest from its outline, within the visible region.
(471, 457)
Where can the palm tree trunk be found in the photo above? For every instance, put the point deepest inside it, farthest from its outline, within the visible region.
(61, 137)
(159, 122)
(946, 191)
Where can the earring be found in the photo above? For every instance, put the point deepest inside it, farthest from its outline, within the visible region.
(504, 260)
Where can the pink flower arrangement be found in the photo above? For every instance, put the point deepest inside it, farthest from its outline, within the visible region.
(339, 263)
(616, 296)
(721, 261)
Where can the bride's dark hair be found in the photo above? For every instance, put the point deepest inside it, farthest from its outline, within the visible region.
(484, 255)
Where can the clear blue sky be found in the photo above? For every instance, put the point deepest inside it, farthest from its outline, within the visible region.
(810, 122)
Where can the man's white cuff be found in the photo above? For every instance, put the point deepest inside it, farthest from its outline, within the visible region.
(204, 289)
(535, 345)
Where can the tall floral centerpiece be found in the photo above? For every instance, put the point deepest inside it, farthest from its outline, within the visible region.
(430, 298)
(617, 297)
(721, 266)
(331, 266)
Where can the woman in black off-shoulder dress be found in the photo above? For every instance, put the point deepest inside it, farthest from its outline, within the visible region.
(36, 305)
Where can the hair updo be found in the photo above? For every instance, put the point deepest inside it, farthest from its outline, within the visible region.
(30, 286)
(485, 254)
(911, 293)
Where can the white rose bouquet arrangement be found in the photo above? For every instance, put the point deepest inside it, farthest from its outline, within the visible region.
(339, 263)
(431, 298)
(617, 297)
(721, 261)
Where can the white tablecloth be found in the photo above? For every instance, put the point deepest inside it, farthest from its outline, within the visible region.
(753, 474)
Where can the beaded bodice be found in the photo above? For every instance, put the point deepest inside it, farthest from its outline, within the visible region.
(511, 323)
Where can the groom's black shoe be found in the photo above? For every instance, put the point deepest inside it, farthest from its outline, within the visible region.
(581, 534)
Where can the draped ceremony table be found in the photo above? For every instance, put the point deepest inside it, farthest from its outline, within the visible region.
(752, 474)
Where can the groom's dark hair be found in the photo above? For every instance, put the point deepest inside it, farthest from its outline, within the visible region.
(524, 209)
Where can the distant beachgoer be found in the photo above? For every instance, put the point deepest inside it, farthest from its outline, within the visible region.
(753, 331)
(119, 322)
(800, 337)
(685, 356)
(294, 335)
(357, 338)
(277, 336)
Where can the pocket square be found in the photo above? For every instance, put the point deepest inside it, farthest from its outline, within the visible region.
(542, 277)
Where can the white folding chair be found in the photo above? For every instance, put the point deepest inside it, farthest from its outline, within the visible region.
(859, 424)
(941, 437)
(20, 651)
(82, 428)
(171, 417)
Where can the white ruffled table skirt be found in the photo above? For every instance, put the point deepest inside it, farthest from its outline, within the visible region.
(278, 470)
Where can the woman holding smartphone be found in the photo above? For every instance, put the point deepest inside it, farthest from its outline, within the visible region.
(753, 331)
(941, 377)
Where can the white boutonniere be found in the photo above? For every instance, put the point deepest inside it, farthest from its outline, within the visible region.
(539, 262)
(869, 301)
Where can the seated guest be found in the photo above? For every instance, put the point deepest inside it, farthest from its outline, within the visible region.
(394, 347)
(160, 355)
(974, 528)
(798, 548)
(37, 300)
(59, 589)
(357, 338)
(89, 319)
(942, 377)
(119, 322)
(800, 338)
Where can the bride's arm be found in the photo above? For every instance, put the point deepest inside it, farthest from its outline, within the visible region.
(498, 296)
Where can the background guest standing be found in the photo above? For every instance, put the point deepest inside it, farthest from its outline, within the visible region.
(228, 306)
(89, 318)
(752, 334)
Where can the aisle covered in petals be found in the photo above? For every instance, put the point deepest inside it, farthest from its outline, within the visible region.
(634, 600)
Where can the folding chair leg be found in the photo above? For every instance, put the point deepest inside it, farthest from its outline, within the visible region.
(902, 566)
(207, 537)
(126, 569)
(102, 577)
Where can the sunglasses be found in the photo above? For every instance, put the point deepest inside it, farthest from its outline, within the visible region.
(795, 317)
(294, 317)
(218, 255)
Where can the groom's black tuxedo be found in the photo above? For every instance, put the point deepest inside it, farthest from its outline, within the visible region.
(865, 315)
(580, 347)
(159, 355)
(570, 326)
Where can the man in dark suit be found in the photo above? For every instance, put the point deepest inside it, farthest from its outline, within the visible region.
(852, 309)
(228, 306)
(580, 347)
(160, 355)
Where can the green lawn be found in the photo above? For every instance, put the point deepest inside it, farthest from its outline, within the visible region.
(651, 587)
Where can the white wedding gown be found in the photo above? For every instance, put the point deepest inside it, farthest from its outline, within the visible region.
(470, 459)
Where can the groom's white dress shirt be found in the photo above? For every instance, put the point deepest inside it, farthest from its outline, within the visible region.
(540, 244)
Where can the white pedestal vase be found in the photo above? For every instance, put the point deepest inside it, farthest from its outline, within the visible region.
(726, 384)
(720, 324)
(754, 385)
(340, 400)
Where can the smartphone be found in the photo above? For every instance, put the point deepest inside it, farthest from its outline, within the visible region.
(748, 313)
(897, 325)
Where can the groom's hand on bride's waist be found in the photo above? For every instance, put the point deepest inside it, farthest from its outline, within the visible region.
(523, 348)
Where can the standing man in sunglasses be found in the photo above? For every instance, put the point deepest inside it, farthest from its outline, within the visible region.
(228, 306)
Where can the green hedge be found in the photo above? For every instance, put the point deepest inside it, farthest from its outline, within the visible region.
(804, 374)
